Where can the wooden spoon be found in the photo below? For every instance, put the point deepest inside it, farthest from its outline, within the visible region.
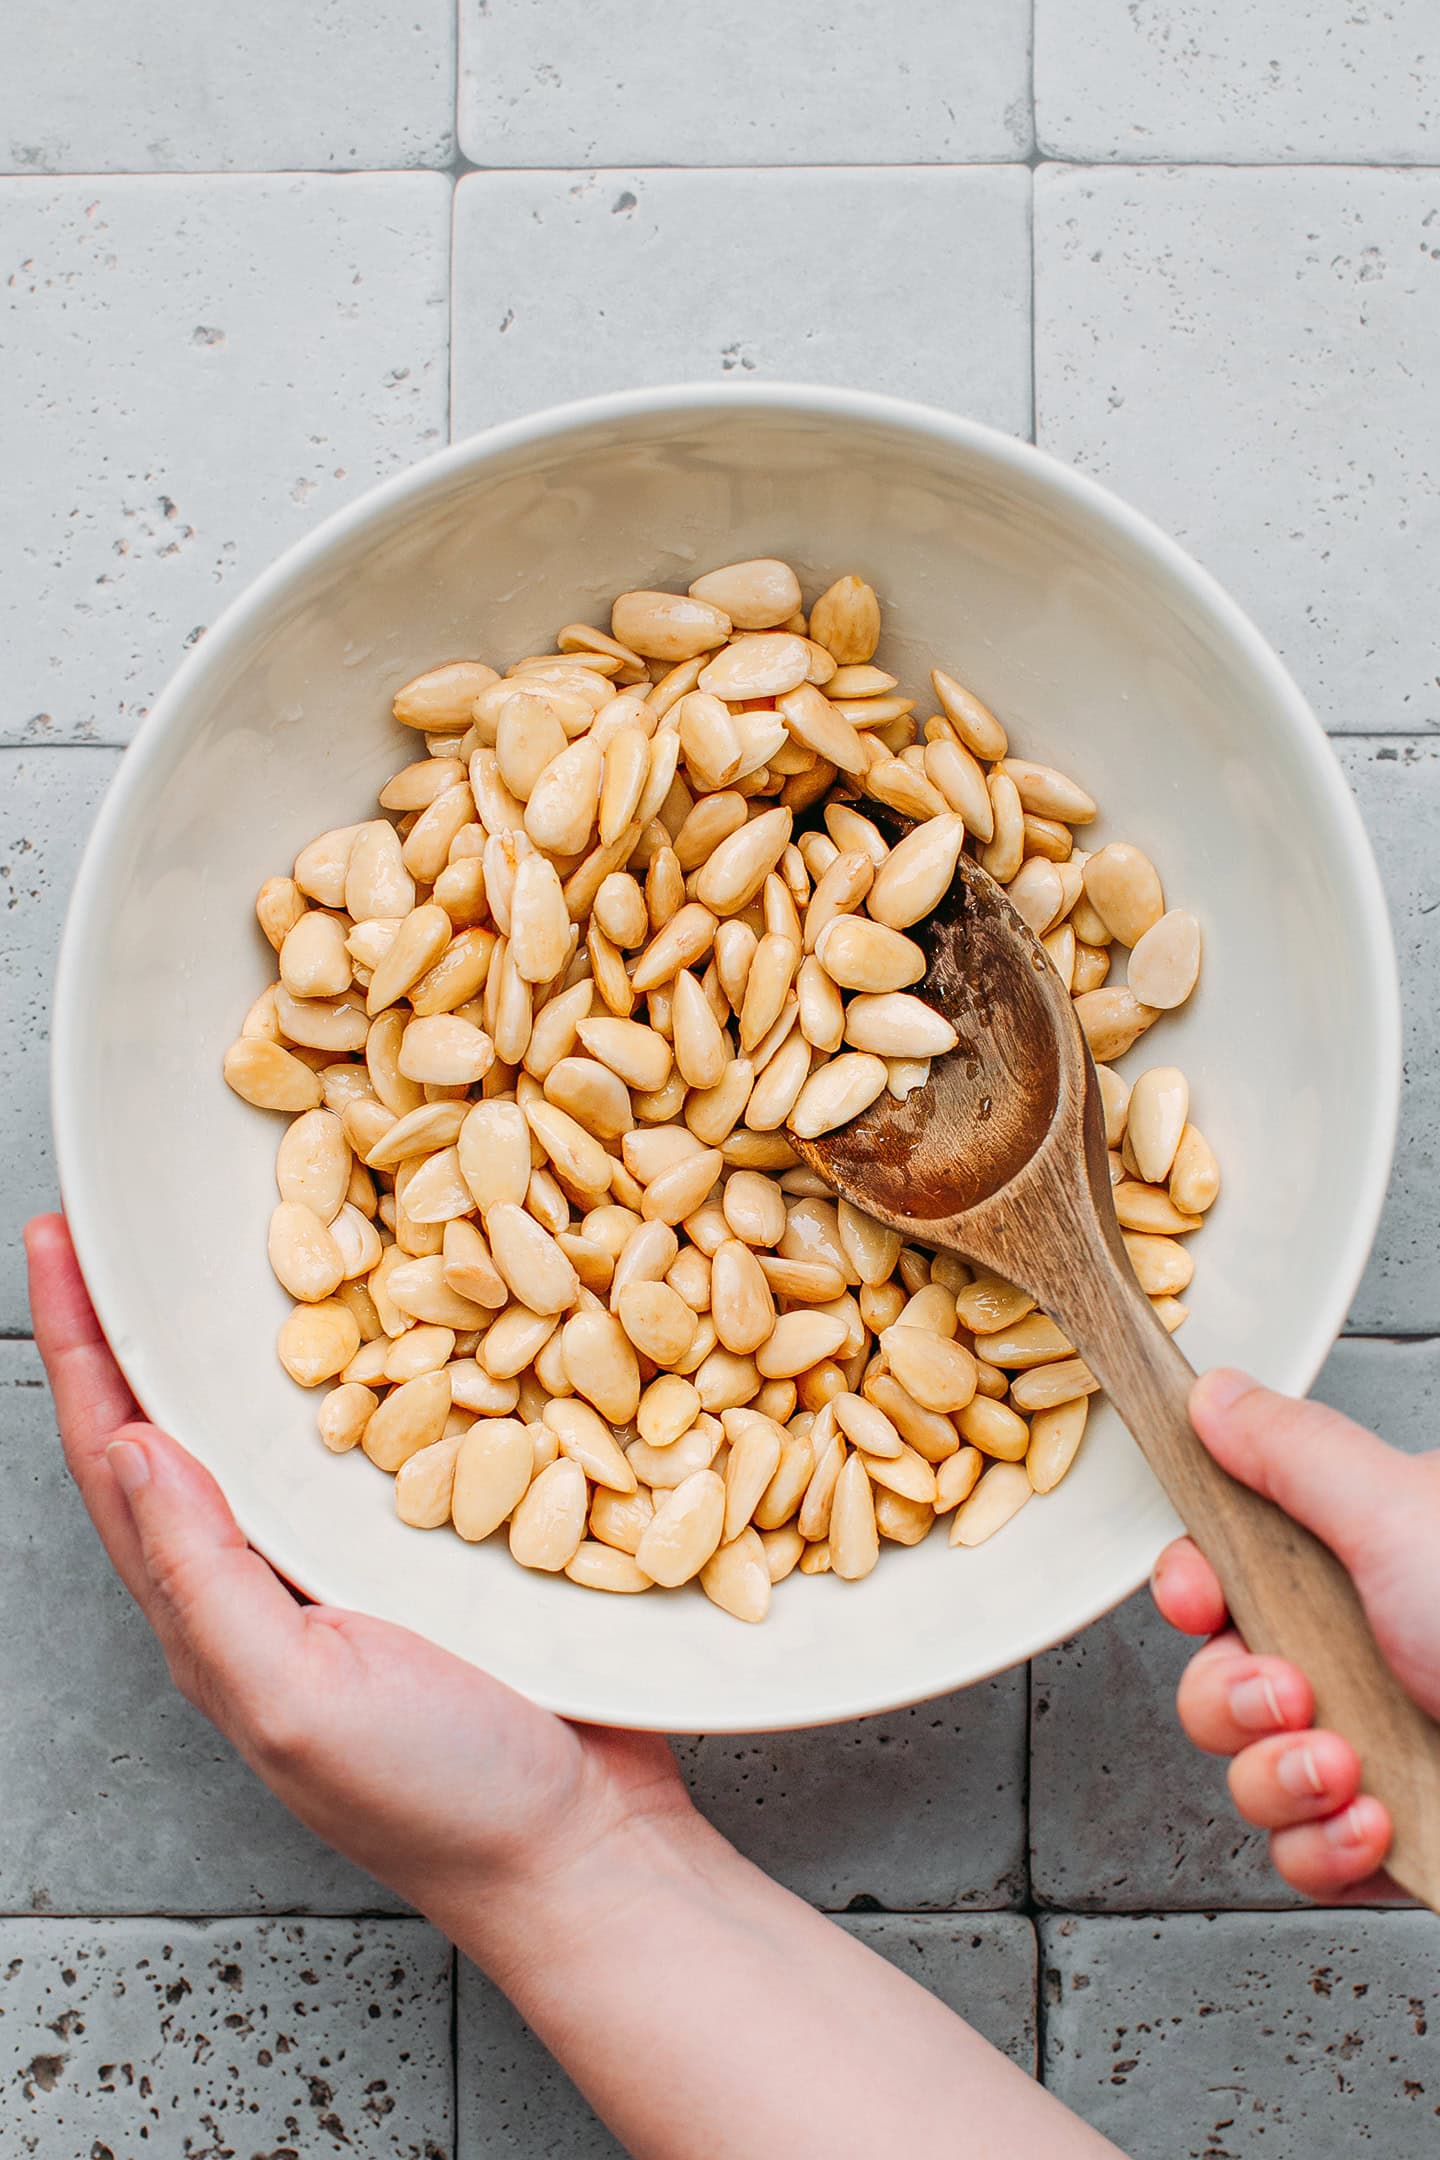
(1001, 1157)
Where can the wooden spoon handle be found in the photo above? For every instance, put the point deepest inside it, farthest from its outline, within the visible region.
(1287, 1593)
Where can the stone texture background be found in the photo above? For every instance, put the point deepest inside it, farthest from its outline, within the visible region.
(255, 259)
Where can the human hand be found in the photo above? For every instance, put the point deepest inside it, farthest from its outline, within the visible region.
(1379, 1512)
(436, 1778)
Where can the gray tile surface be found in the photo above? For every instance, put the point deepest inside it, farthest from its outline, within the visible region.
(921, 1810)
(749, 84)
(1397, 785)
(198, 370)
(714, 276)
(1124, 1814)
(514, 2101)
(119, 1798)
(264, 2039)
(202, 86)
(1296, 2036)
(201, 367)
(48, 800)
(1244, 355)
(1238, 81)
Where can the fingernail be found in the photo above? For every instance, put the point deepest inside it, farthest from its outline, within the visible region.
(1299, 1773)
(1346, 1828)
(128, 1461)
(1219, 1389)
(1255, 1704)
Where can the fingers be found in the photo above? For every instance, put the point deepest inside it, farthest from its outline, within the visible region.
(1294, 1778)
(233, 1636)
(92, 1400)
(1325, 1860)
(1330, 1474)
(1228, 1698)
(91, 1397)
(1186, 1591)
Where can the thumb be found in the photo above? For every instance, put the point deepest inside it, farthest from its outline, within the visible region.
(1330, 1474)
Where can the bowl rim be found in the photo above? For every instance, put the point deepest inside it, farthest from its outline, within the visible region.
(370, 510)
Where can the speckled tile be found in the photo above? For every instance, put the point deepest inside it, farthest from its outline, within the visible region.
(1239, 81)
(48, 800)
(198, 371)
(1125, 1815)
(1397, 785)
(119, 1798)
(810, 83)
(257, 2040)
(922, 1810)
(739, 276)
(1299, 2036)
(515, 2101)
(1246, 356)
(201, 86)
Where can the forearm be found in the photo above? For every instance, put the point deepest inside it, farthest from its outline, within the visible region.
(709, 2015)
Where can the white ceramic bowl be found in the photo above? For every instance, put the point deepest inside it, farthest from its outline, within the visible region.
(1104, 648)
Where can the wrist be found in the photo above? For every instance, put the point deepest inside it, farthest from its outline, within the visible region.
(560, 1891)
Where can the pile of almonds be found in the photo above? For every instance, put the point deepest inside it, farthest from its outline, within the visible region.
(542, 1028)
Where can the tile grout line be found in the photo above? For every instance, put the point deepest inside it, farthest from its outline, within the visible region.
(459, 167)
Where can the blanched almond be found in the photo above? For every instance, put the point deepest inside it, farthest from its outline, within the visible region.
(442, 697)
(684, 1531)
(588, 1440)
(895, 1024)
(494, 1148)
(1005, 851)
(318, 1341)
(445, 1050)
(528, 1258)
(1195, 1176)
(343, 1416)
(412, 1416)
(602, 1365)
(424, 1481)
(1123, 887)
(619, 1519)
(419, 942)
(846, 621)
(917, 873)
(313, 958)
(1046, 1385)
(1000, 1494)
(741, 1303)
(1158, 1108)
(668, 626)
(312, 1164)
(835, 1094)
(597, 1566)
(1112, 1020)
(736, 1577)
(854, 1543)
(549, 1522)
(974, 723)
(657, 1320)
(1049, 794)
(1055, 1436)
(739, 866)
(680, 1190)
(756, 595)
(755, 1449)
(1165, 963)
(305, 1258)
(956, 1478)
(938, 1373)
